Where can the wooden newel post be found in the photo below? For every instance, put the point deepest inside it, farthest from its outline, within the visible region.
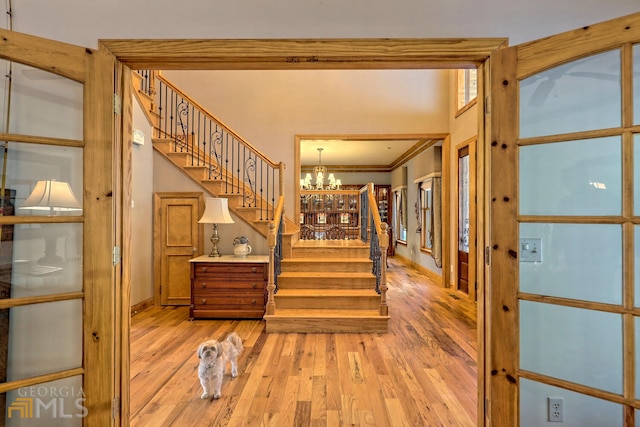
(384, 244)
(271, 284)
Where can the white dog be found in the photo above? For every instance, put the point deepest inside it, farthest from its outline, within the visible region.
(214, 356)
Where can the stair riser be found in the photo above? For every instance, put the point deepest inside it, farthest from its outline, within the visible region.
(325, 283)
(323, 267)
(330, 252)
(301, 302)
(326, 325)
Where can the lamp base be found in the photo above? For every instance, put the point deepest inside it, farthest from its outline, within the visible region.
(215, 239)
(51, 256)
(214, 253)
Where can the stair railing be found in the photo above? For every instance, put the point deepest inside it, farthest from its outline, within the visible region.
(226, 156)
(374, 231)
(274, 243)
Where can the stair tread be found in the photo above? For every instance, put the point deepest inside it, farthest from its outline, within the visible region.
(347, 274)
(330, 244)
(325, 259)
(321, 312)
(327, 292)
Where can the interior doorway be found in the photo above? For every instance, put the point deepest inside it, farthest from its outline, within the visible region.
(320, 54)
(466, 229)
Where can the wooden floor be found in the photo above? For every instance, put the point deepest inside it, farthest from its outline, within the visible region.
(421, 373)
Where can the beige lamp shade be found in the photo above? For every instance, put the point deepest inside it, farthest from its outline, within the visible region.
(216, 211)
(52, 195)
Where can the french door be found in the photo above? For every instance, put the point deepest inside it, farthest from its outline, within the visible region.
(564, 318)
(59, 262)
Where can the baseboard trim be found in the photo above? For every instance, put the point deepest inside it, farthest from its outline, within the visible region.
(141, 306)
(435, 277)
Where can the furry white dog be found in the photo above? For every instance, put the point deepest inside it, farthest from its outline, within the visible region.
(214, 356)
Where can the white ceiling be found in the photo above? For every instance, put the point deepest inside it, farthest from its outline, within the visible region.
(371, 152)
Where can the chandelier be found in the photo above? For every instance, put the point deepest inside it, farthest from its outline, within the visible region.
(320, 172)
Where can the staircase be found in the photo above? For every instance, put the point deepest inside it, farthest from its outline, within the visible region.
(327, 286)
(324, 286)
(251, 215)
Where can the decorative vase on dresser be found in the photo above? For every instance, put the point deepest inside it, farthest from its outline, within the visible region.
(228, 287)
(243, 249)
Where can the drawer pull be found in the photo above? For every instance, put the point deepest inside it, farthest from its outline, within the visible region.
(204, 285)
(204, 269)
(253, 302)
(255, 286)
(254, 269)
(204, 300)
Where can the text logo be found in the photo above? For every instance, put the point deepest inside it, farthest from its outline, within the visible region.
(48, 402)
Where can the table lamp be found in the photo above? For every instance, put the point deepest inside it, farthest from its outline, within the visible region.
(216, 211)
(54, 197)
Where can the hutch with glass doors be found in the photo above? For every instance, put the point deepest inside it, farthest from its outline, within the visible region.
(329, 215)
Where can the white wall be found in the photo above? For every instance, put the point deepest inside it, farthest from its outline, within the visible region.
(84, 22)
(141, 212)
(268, 108)
(411, 251)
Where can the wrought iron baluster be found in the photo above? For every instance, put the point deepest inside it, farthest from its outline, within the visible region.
(163, 121)
(226, 164)
(278, 254)
(227, 157)
(376, 256)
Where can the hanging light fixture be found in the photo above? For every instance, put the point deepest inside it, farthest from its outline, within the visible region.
(320, 173)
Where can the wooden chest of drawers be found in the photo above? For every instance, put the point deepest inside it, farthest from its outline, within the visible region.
(228, 287)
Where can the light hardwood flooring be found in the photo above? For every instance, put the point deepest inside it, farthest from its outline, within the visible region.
(421, 373)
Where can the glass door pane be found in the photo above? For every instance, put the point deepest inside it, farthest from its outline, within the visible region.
(636, 83)
(577, 96)
(41, 252)
(582, 177)
(463, 203)
(571, 277)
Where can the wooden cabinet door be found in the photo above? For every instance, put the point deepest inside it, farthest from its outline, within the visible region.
(177, 240)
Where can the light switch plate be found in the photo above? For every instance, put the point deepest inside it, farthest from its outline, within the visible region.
(530, 249)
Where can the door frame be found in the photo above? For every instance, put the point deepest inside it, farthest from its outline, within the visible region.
(496, 188)
(304, 54)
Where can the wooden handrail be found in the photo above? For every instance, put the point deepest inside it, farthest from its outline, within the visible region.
(272, 242)
(192, 101)
(383, 241)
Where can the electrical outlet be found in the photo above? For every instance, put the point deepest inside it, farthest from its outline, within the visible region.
(556, 409)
